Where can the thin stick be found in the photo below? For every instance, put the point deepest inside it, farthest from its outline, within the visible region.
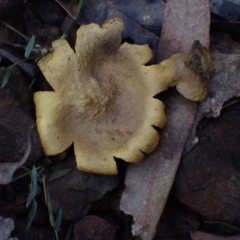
(30, 69)
(15, 30)
(25, 174)
(74, 19)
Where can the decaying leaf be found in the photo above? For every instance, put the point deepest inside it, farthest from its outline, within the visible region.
(6, 227)
(7, 169)
(103, 96)
(224, 86)
(84, 188)
(148, 184)
(228, 10)
(206, 236)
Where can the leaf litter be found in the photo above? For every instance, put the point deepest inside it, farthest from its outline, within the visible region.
(7, 169)
(167, 133)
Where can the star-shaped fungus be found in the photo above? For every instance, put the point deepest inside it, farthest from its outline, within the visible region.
(103, 97)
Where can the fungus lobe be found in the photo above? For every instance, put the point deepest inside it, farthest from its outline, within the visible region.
(103, 96)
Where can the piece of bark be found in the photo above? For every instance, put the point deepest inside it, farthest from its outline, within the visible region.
(148, 183)
(206, 236)
(183, 23)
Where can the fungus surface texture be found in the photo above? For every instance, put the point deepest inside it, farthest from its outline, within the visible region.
(103, 100)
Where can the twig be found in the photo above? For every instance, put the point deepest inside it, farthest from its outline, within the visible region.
(74, 19)
(15, 30)
(30, 69)
(25, 174)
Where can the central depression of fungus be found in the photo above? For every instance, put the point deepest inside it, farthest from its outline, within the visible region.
(103, 97)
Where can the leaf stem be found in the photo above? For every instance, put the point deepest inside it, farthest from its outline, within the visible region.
(56, 235)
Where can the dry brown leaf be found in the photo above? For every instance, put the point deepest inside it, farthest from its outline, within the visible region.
(206, 236)
(224, 86)
(228, 10)
(6, 227)
(148, 184)
(7, 169)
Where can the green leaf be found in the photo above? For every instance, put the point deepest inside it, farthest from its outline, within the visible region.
(33, 181)
(56, 235)
(30, 46)
(6, 76)
(50, 210)
(29, 199)
(32, 214)
(59, 174)
(57, 223)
